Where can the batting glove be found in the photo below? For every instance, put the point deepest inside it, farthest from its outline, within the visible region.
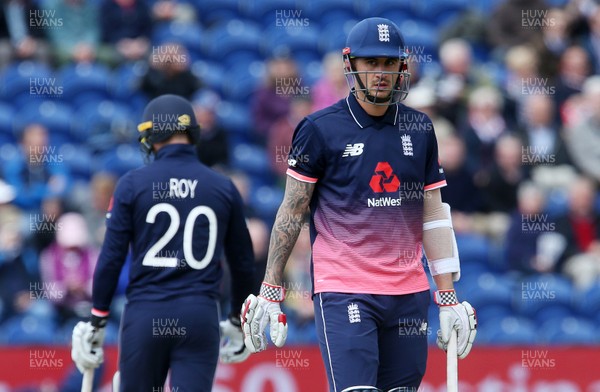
(232, 349)
(86, 342)
(257, 312)
(458, 316)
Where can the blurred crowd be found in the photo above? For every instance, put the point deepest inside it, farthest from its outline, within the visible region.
(514, 96)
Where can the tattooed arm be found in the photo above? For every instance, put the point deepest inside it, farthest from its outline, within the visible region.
(288, 223)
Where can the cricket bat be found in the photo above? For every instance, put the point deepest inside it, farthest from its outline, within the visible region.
(452, 363)
(88, 380)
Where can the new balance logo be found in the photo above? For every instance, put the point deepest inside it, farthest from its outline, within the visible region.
(353, 313)
(353, 150)
(384, 32)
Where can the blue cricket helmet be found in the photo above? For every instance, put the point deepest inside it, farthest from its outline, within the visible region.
(165, 116)
(375, 38)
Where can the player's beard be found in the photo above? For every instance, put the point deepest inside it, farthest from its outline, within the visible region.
(380, 88)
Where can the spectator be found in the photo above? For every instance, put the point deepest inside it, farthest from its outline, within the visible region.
(173, 11)
(574, 68)
(461, 192)
(331, 87)
(581, 228)
(583, 139)
(169, 72)
(213, 144)
(541, 134)
(522, 66)
(101, 188)
(422, 98)
(500, 186)
(78, 38)
(281, 133)
(483, 126)
(67, 266)
(591, 41)
(38, 172)
(22, 34)
(126, 26)
(270, 101)
(531, 246)
(18, 264)
(456, 79)
(515, 22)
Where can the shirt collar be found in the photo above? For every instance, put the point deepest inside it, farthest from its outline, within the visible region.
(363, 119)
(177, 150)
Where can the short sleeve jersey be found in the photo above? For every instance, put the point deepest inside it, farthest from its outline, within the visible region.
(370, 178)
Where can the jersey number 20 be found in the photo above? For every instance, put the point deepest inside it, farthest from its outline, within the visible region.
(152, 259)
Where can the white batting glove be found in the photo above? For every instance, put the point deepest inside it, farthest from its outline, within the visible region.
(458, 316)
(86, 350)
(257, 312)
(233, 349)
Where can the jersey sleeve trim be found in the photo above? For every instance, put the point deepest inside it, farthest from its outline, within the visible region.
(301, 177)
(435, 185)
(100, 313)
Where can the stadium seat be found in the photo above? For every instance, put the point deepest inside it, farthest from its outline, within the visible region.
(27, 329)
(234, 37)
(490, 289)
(209, 15)
(266, 12)
(236, 119)
(587, 302)
(318, 9)
(7, 115)
(536, 292)
(266, 200)
(509, 330)
(107, 123)
(55, 116)
(440, 12)
(241, 87)
(125, 80)
(569, 331)
(211, 73)
(121, 159)
(251, 159)
(190, 35)
(281, 41)
(367, 9)
(336, 36)
(24, 80)
(84, 82)
(79, 160)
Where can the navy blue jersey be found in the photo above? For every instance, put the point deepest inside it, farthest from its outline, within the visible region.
(178, 217)
(371, 177)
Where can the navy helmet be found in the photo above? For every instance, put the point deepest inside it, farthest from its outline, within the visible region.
(164, 117)
(375, 38)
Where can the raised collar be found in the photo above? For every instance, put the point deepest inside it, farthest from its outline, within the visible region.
(176, 150)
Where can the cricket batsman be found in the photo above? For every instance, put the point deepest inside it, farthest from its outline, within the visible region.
(366, 172)
(178, 218)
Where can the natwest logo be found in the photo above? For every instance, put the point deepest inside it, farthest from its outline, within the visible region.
(384, 179)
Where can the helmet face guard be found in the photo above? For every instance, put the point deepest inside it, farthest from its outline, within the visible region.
(376, 38)
(395, 93)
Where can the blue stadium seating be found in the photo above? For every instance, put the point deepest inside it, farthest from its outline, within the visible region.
(232, 39)
(83, 83)
(266, 199)
(587, 302)
(236, 119)
(22, 81)
(509, 330)
(56, 116)
(189, 35)
(106, 124)
(570, 331)
(79, 160)
(27, 329)
(7, 115)
(534, 293)
(120, 160)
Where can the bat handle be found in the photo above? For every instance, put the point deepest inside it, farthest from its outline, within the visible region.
(452, 363)
(88, 380)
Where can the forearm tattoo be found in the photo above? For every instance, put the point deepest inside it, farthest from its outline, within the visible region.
(286, 229)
